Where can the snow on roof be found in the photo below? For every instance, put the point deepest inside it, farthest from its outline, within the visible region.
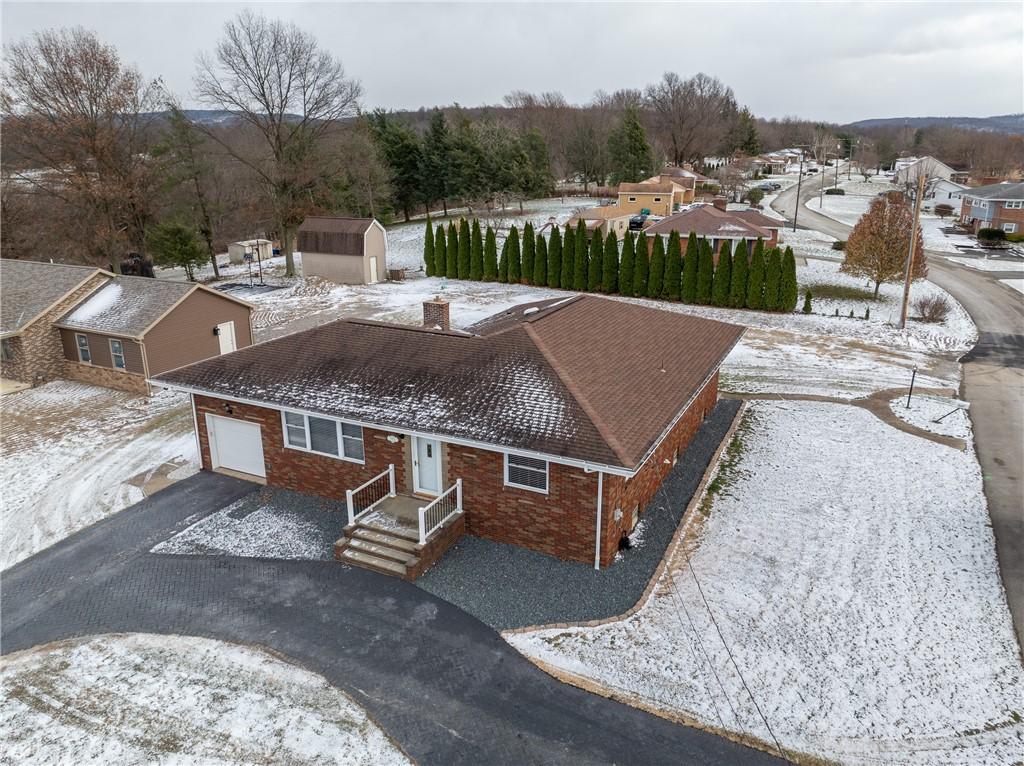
(126, 305)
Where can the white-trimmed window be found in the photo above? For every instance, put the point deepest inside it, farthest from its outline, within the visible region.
(324, 436)
(657, 199)
(82, 342)
(632, 199)
(117, 354)
(1014, 204)
(1010, 228)
(526, 473)
(7, 349)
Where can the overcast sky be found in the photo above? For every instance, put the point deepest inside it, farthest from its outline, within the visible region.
(835, 62)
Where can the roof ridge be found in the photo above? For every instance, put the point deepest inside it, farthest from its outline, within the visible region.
(602, 428)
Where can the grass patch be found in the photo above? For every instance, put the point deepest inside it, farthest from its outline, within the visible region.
(826, 291)
(729, 468)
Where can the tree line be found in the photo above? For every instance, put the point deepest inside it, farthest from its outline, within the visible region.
(642, 267)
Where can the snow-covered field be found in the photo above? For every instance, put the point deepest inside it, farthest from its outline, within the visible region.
(75, 453)
(808, 243)
(136, 698)
(870, 627)
(990, 264)
(924, 410)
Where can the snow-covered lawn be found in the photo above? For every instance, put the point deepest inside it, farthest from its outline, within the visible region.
(859, 596)
(1016, 284)
(936, 239)
(925, 409)
(846, 208)
(990, 264)
(808, 243)
(75, 453)
(137, 698)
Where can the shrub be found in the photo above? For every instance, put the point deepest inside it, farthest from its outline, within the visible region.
(835, 190)
(867, 313)
(807, 302)
(839, 244)
(754, 196)
(943, 210)
(991, 235)
(932, 309)
(1015, 237)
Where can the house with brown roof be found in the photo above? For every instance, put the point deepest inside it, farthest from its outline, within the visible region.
(349, 251)
(549, 426)
(87, 324)
(718, 226)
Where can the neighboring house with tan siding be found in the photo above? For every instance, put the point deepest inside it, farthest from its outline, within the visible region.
(349, 251)
(111, 330)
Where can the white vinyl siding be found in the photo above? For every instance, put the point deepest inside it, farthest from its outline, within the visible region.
(82, 342)
(526, 473)
(324, 436)
(117, 354)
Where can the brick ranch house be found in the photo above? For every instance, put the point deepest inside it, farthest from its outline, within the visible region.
(87, 324)
(719, 225)
(549, 426)
(997, 206)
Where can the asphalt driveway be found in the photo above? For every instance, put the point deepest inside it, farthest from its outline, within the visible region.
(442, 683)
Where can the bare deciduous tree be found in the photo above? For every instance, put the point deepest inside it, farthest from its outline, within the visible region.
(294, 96)
(691, 116)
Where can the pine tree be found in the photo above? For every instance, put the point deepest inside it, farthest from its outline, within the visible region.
(807, 302)
(540, 262)
(595, 267)
(627, 264)
(705, 273)
(529, 248)
(755, 278)
(610, 266)
(490, 256)
(515, 262)
(673, 267)
(641, 266)
(555, 258)
(503, 262)
(440, 251)
(723, 275)
(688, 290)
(738, 283)
(476, 254)
(656, 276)
(788, 291)
(464, 247)
(451, 269)
(580, 259)
(428, 249)
(772, 280)
(568, 258)
(629, 153)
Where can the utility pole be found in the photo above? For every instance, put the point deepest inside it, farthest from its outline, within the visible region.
(910, 252)
(799, 182)
(839, 149)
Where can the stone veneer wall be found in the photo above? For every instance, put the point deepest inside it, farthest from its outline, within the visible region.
(110, 377)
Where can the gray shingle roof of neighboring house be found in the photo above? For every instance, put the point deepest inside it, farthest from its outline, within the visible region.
(31, 287)
(997, 192)
(126, 305)
(585, 378)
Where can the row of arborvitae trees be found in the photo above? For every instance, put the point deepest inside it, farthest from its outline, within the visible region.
(643, 267)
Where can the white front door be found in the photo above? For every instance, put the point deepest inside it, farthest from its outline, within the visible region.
(426, 466)
(373, 269)
(236, 445)
(226, 336)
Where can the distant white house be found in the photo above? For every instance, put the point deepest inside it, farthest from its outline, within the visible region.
(939, 191)
(909, 169)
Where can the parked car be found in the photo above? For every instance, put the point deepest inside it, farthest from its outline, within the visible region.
(811, 170)
(636, 223)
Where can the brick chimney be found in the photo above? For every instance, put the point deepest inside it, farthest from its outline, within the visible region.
(719, 202)
(436, 314)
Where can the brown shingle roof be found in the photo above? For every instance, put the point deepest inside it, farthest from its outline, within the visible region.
(758, 218)
(708, 221)
(586, 378)
(337, 236)
(31, 287)
(661, 187)
(126, 305)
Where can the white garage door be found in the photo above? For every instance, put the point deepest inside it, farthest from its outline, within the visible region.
(236, 445)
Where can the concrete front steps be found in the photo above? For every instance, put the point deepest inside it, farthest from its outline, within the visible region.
(396, 551)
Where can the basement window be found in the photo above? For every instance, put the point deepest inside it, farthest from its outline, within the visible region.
(323, 436)
(526, 473)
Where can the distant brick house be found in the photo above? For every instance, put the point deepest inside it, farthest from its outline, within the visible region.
(718, 225)
(997, 206)
(549, 426)
(87, 324)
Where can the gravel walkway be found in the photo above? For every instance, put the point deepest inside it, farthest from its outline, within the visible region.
(507, 586)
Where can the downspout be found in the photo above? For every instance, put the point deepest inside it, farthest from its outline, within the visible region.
(597, 536)
(195, 429)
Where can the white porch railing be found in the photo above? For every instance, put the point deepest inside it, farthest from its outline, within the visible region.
(369, 495)
(443, 507)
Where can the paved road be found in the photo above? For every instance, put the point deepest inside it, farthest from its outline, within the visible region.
(993, 383)
(443, 684)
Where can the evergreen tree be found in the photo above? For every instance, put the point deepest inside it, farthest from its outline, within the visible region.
(755, 278)
(503, 262)
(568, 258)
(788, 291)
(627, 264)
(555, 258)
(641, 266)
(452, 259)
(595, 270)
(629, 151)
(490, 256)
(529, 248)
(807, 302)
(580, 258)
(428, 250)
(464, 247)
(540, 262)
(772, 280)
(723, 275)
(688, 291)
(656, 276)
(515, 262)
(610, 266)
(705, 273)
(673, 267)
(476, 254)
(440, 251)
(738, 283)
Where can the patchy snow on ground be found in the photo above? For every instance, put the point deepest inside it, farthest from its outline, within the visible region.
(807, 243)
(1016, 284)
(859, 597)
(990, 264)
(845, 208)
(137, 698)
(935, 238)
(925, 409)
(75, 453)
